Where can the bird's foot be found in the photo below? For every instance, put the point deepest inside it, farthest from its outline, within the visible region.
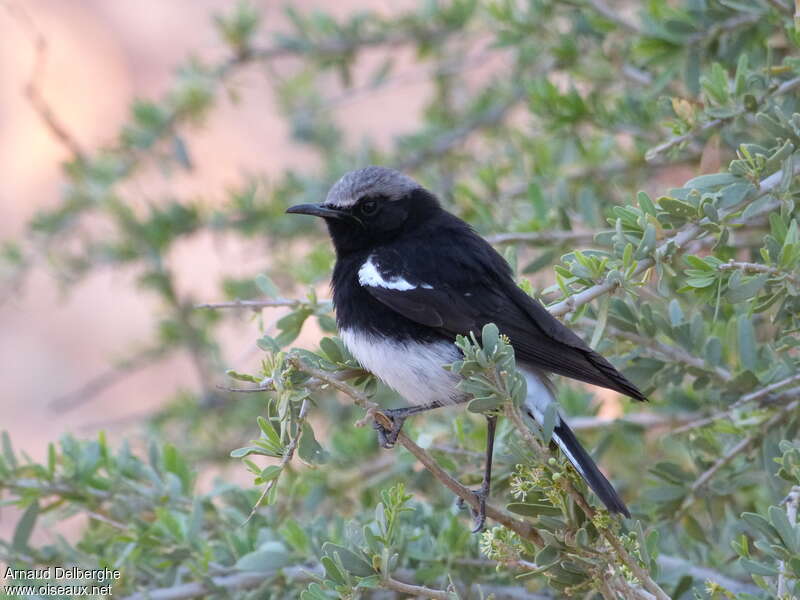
(387, 438)
(478, 514)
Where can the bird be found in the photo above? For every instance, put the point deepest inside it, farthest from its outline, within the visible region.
(410, 277)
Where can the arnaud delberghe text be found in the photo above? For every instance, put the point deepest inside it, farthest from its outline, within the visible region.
(62, 573)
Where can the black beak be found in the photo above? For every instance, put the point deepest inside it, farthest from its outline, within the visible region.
(317, 210)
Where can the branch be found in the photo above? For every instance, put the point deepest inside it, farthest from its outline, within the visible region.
(749, 267)
(614, 16)
(255, 304)
(90, 389)
(671, 353)
(32, 88)
(684, 235)
(543, 237)
(449, 140)
(417, 591)
(784, 88)
(746, 399)
(641, 419)
(738, 448)
(523, 529)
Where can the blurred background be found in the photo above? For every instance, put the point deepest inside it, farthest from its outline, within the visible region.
(100, 56)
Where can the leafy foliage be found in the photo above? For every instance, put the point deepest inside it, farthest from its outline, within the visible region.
(559, 154)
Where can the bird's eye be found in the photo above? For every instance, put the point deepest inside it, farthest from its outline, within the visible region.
(368, 207)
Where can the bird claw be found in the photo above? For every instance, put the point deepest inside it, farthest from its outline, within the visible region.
(387, 438)
(478, 514)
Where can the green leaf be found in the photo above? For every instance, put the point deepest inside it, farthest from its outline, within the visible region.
(534, 510)
(8, 450)
(351, 561)
(747, 342)
(757, 568)
(760, 524)
(742, 292)
(331, 350)
(267, 287)
(270, 557)
(549, 421)
(785, 529)
(24, 528)
(490, 335)
(309, 448)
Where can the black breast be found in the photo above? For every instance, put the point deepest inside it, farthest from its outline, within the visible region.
(357, 309)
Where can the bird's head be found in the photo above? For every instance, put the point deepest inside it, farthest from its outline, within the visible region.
(371, 206)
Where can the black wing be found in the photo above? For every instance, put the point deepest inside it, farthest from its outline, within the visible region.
(466, 286)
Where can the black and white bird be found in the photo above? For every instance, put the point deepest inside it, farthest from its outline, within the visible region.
(410, 277)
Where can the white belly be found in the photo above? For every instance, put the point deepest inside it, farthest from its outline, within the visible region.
(412, 369)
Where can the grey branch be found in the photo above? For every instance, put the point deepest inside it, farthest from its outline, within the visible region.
(750, 267)
(543, 237)
(754, 396)
(614, 15)
(644, 419)
(254, 304)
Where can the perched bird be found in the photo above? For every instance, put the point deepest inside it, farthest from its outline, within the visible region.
(410, 277)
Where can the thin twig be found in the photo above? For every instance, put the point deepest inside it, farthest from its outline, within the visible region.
(99, 383)
(417, 591)
(671, 353)
(750, 267)
(615, 16)
(492, 116)
(255, 304)
(643, 419)
(32, 89)
(755, 396)
(543, 237)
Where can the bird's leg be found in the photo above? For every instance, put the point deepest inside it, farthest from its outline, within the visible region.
(388, 437)
(482, 493)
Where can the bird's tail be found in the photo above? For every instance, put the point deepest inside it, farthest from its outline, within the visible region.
(540, 394)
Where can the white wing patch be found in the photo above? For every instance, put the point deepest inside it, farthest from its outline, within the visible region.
(369, 275)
